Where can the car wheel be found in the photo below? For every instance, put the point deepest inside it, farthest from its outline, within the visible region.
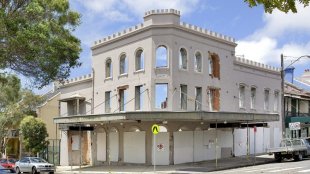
(17, 170)
(51, 173)
(34, 170)
(278, 157)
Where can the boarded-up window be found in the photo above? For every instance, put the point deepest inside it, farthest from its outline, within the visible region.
(214, 98)
(214, 65)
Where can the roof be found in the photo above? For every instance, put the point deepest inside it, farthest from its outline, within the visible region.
(73, 97)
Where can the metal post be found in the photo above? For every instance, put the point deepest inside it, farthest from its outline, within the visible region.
(282, 97)
(254, 145)
(154, 158)
(216, 144)
(80, 146)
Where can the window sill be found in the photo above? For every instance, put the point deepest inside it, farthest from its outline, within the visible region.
(181, 69)
(108, 79)
(139, 71)
(253, 109)
(242, 108)
(123, 75)
(198, 72)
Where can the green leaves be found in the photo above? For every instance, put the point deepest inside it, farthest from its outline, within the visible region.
(34, 134)
(282, 5)
(36, 39)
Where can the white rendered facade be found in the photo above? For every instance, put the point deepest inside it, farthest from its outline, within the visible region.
(206, 85)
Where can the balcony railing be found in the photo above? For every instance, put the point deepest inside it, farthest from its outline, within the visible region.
(296, 114)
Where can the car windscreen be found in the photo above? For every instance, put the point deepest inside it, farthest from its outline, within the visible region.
(38, 160)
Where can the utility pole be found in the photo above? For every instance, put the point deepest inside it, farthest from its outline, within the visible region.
(282, 97)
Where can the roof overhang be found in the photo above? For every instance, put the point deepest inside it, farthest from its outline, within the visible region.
(211, 117)
(72, 97)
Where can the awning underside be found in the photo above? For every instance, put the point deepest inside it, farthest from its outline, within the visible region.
(211, 117)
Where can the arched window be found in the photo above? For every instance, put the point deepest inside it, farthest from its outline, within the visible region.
(183, 58)
(139, 60)
(198, 62)
(108, 68)
(161, 56)
(123, 69)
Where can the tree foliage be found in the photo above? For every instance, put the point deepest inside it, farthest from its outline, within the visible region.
(34, 134)
(15, 103)
(36, 39)
(282, 5)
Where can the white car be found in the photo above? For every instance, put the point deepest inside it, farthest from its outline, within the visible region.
(34, 165)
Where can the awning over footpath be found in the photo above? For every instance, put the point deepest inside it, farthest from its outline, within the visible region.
(210, 117)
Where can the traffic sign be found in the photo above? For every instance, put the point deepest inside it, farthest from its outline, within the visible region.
(294, 126)
(155, 129)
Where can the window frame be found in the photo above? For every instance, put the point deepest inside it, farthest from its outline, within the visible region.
(183, 59)
(183, 96)
(242, 96)
(253, 98)
(196, 64)
(157, 58)
(139, 59)
(106, 70)
(123, 68)
(164, 104)
(266, 99)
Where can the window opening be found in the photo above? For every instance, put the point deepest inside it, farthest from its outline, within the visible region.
(183, 96)
(139, 60)
(198, 62)
(161, 98)
(183, 58)
(198, 98)
(161, 56)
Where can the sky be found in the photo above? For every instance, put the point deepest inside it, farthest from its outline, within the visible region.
(260, 37)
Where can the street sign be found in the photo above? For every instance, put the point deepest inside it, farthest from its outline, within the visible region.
(294, 126)
(155, 129)
(160, 147)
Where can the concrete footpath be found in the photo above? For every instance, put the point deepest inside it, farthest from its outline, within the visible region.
(197, 167)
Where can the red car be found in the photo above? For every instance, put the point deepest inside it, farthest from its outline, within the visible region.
(7, 163)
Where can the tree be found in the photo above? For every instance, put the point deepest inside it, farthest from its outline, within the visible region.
(282, 5)
(15, 103)
(34, 134)
(36, 39)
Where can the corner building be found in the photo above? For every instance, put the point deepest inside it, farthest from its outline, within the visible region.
(186, 79)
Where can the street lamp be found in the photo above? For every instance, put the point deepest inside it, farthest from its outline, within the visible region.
(282, 88)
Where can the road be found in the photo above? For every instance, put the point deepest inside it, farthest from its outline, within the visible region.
(285, 167)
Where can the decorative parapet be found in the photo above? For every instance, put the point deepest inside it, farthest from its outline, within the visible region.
(256, 64)
(207, 32)
(119, 34)
(77, 79)
(164, 11)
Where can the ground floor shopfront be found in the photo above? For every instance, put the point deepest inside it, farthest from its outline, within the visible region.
(183, 137)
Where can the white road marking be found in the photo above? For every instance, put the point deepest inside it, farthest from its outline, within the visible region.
(262, 169)
(280, 170)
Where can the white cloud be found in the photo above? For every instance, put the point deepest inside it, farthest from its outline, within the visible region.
(267, 43)
(121, 10)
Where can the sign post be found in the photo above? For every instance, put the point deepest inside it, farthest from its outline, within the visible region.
(155, 130)
(255, 130)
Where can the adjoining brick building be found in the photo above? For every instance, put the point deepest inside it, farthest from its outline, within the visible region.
(182, 77)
